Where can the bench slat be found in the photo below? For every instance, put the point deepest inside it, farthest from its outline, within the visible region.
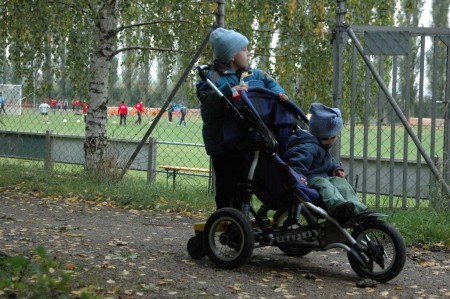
(183, 168)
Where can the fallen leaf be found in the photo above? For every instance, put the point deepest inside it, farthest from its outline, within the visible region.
(235, 287)
(74, 235)
(428, 264)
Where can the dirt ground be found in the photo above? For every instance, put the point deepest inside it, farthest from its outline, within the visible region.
(142, 254)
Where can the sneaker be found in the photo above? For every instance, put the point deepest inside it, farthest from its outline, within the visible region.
(343, 212)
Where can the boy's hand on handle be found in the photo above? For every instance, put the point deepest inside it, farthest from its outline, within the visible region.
(240, 87)
(304, 180)
(283, 96)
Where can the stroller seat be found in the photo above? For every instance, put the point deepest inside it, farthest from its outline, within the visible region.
(274, 182)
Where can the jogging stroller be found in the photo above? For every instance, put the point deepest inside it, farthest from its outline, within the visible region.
(300, 223)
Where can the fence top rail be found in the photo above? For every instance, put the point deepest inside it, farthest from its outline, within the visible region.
(359, 29)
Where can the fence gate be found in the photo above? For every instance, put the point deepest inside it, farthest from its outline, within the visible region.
(393, 86)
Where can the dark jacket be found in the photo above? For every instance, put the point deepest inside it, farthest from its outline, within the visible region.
(213, 108)
(307, 156)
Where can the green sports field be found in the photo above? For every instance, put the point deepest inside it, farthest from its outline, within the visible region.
(179, 145)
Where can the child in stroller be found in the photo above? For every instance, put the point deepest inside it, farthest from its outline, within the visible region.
(308, 154)
(313, 173)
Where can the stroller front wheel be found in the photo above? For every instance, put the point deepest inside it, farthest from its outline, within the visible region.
(228, 238)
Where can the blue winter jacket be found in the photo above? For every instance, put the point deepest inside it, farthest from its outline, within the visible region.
(213, 108)
(307, 156)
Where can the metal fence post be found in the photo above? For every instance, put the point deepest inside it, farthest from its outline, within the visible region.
(338, 45)
(48, 163)
(446, 100)
(151, 169)
(220, 15)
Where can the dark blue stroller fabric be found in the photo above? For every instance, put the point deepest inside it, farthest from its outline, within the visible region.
(275, 183)
(281, 117)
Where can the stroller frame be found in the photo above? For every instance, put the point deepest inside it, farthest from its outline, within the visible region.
(230, 234)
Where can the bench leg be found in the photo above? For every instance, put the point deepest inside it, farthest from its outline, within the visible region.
(174, 175)
(171, 173)
(167, 178)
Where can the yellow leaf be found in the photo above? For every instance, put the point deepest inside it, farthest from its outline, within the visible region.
(235, 287)
(74, 235)
(79, 292)
(428, 264)
(125, 272)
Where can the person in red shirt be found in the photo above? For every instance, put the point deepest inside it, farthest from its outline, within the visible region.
(85, 109)
(123, 111)
(77, 106)
(53, 105)
(139, 108)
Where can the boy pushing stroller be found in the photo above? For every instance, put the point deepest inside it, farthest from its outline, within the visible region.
(308, 154)
(231, 74)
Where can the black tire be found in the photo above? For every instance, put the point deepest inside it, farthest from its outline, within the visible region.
(195, 247)
(228, 238)
(279, 218)
(389, 256)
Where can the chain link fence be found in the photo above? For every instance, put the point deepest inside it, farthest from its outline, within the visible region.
(378, 147)
(178, 134)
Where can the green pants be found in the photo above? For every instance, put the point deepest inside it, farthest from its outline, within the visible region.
(335, 191)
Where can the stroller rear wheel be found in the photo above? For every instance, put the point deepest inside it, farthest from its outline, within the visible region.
(228, 238)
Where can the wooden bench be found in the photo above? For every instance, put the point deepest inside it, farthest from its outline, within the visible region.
(173, 171)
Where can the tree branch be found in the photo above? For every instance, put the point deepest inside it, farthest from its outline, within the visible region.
(123, 27)
(149, 49)
(71, 6)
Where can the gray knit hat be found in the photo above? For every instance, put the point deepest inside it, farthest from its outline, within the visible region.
(325, 122)
(226, 43)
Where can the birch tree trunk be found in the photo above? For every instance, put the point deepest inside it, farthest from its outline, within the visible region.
(96, 139)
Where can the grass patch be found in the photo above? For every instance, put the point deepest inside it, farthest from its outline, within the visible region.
(133, 192)
(426, 226)
(37, 276)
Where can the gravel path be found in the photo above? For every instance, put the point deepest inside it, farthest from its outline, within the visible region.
(142, 254)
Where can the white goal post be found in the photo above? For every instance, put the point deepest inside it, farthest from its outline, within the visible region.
(13, 98)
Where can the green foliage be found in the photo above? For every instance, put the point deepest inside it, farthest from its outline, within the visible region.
(36, 276)
(301, 59)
